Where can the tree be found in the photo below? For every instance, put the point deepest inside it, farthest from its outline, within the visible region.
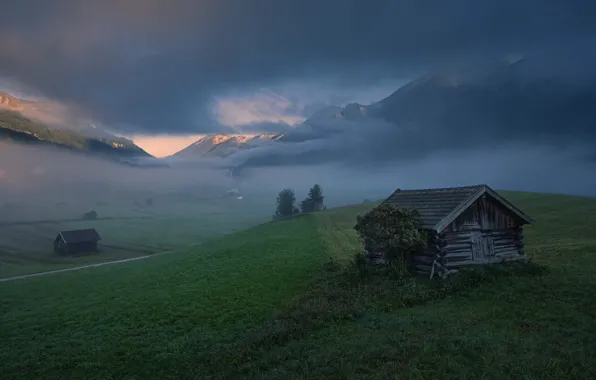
(391, 232)
(316, 193)
(286, 200)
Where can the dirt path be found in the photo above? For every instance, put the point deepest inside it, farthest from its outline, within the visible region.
(77, 268)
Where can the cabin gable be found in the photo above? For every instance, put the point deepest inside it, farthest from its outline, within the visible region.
(486, 232)
(484, 214)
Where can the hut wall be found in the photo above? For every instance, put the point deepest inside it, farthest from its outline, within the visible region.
(485, 233)
(422, 262)
(59, 246)
(84, 247)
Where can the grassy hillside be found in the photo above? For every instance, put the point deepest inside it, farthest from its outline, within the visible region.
(268, 303)
(128, 231)
(20, 129)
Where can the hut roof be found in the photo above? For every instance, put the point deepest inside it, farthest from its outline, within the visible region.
(79, 236)
(439, 207)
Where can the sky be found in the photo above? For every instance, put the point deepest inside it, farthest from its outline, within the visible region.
(163, 145)
(182, 67)
(166, 72)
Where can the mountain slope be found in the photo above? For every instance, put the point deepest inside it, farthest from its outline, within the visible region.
(42, 110)
(496, 102)
(53, 115)
(16, 128)
(505, 100)
(52, 124)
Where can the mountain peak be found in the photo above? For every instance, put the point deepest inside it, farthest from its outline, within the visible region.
(265, 136)
(213, 139)
(222, 145)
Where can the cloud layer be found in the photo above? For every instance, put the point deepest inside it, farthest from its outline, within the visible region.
(157, 65)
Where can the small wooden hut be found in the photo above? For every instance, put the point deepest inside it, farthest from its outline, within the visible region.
(76, 241)
(467, 225)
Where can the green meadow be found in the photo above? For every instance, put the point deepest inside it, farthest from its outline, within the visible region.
(280, 301)
(127, 231)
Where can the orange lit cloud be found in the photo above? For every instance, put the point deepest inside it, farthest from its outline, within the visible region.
(263, 107)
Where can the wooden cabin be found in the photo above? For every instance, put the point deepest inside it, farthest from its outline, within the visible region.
(76, 241)
(466, 226)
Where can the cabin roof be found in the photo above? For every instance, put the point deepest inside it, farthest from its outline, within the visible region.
(439, 207)
(79, 236)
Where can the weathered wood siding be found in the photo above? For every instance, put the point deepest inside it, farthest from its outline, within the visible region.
(484, 214)
(483, 247)
(74, 248)
(484, 233)
(423, 261)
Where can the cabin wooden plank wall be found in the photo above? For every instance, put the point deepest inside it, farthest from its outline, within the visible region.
(484, 233)
(83, 247)
(423, 261)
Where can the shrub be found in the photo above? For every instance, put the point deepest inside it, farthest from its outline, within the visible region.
(358, 266)
(392, 233)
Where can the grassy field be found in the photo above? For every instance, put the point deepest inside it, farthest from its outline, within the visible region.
(27, 247)
(273, 302)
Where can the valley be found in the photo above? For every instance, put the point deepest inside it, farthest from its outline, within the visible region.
(297, 190)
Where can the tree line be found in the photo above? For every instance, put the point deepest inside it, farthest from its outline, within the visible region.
(286, 202)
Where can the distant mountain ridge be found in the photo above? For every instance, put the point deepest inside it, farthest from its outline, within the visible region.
(53, 115)
(18, 126)
(497, 101)
(223, 145)
(493, 101)
(323, 123)
(505, 100)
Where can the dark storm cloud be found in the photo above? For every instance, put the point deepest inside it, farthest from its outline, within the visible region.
(154, 64)
(487, 110)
